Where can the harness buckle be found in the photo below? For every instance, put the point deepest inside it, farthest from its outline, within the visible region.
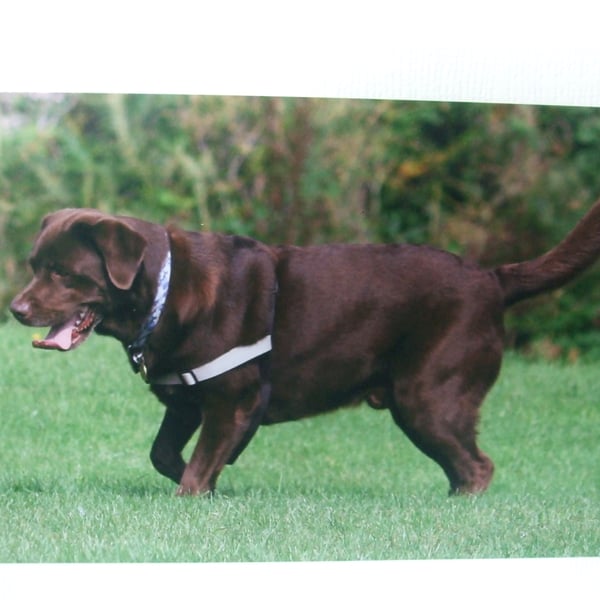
(137, 358)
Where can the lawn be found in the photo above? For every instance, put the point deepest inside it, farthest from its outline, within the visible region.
(76, 484)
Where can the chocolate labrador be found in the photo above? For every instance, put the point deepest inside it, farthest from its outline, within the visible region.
(231, 333)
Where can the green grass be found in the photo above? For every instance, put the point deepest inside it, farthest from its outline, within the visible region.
(76, 483)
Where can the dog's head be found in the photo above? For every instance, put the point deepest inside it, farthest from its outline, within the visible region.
(82, 262)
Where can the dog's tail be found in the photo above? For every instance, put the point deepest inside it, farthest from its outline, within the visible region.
(574, 254)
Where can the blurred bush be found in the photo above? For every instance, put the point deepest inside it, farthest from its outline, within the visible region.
(495, 183)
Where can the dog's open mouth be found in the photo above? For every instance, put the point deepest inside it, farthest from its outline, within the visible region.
(68, 335)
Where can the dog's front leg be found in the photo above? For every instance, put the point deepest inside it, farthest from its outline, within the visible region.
(228, 425)
(177, 427)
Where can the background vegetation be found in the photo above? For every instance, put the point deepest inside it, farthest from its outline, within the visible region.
(493, 182)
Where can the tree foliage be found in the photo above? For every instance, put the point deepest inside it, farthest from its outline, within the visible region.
(492, 182)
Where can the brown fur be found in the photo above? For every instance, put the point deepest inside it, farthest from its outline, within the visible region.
(410, 329)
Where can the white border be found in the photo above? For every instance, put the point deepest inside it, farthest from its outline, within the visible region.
(518, 52)
(447, 579)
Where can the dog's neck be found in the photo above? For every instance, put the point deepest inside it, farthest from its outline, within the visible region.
(136, 348)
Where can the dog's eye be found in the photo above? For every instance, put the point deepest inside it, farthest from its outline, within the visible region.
(57, 271)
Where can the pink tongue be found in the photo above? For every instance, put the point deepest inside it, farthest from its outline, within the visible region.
(59, 337)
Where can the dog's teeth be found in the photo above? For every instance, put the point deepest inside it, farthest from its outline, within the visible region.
(81, 317)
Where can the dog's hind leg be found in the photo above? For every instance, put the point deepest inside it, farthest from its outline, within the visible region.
(438, 409)
(451, 444)
(175, 431)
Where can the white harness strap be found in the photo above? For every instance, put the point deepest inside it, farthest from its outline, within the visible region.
(233, 358)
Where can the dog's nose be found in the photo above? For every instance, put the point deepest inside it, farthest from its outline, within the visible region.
(20, 308)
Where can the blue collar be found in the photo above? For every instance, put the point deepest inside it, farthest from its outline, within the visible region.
(136, 348)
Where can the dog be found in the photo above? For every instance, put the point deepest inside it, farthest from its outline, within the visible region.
(231, 333)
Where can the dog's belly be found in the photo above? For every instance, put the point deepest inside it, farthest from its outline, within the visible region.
(284, 408)
(319, 388)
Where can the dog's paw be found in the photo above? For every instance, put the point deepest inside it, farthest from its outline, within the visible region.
(191, 487)
(186, 491)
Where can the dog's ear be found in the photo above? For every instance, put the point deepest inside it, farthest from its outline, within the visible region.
(121, 247)
(123, 250)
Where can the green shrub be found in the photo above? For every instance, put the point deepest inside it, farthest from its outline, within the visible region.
(495, 183)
